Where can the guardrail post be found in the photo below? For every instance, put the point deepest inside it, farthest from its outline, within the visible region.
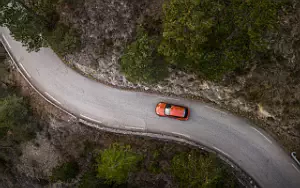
(293, 154)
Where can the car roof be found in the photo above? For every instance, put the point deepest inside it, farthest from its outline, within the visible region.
(177, 111)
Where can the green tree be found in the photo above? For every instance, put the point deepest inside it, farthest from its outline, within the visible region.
(213, 37)
(141, 62)
(186, 27)
(36, 24)
(261, 17)
(195, 171)
(115, 163)
(25, 25)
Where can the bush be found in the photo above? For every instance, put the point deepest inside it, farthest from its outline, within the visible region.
(193, 171)
(141, 62)
(65, 172)
(211, 37)
(116, 163)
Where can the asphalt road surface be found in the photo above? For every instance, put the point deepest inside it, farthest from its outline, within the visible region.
(249, 147)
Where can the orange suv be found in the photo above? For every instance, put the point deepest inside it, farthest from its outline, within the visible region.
(173, 111)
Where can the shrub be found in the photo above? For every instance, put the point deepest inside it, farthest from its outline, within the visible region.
(115, 163)
(192, 170)
(141, 62)
(65, 172)
(213, 37)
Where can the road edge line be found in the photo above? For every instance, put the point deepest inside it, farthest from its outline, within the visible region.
(262, 135)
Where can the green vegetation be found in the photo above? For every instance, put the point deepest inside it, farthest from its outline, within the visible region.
(141, 61)
(65, 172)
(187, 169)
(26, 26)
(63, 39)
(36, 24)
(90, 180)
(12, 112)
(17, 125)
(116, 163)
(208, 37)
(153, 164)
(195, 171)
(186, 27)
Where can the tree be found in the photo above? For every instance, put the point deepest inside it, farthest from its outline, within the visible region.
(141, 62)
(115, 163)
(195, 171)
(186, 26)
(25, 26)
(213, 37)
(36, 24)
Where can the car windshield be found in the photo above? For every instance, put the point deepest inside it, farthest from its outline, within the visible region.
(168, 110)
(186, 113)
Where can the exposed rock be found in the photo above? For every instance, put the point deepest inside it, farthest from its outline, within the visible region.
(263, 113)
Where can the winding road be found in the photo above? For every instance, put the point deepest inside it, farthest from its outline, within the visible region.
(235, 138)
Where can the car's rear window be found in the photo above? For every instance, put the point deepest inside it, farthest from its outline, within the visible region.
(186, 113)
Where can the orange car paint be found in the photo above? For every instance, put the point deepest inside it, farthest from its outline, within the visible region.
(177, 112)
(160, 109)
